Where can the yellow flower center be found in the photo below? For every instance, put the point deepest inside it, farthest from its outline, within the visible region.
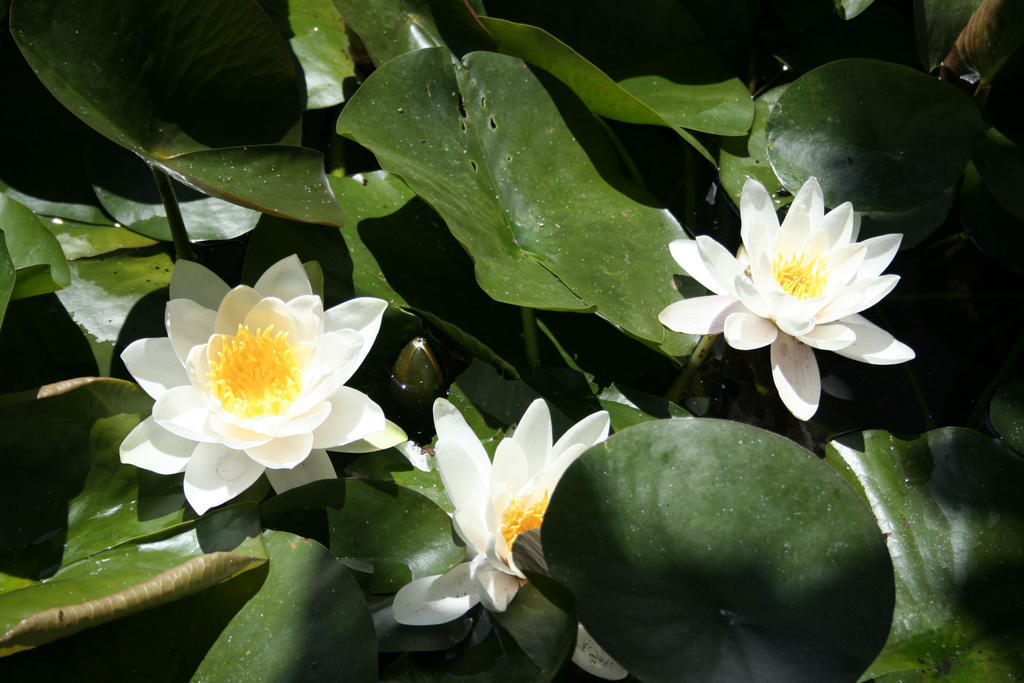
(255, 373)
(518, 518)
(802, 277)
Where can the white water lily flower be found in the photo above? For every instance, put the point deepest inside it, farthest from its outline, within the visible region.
(494, 503)
(799, 286)
(252, 380)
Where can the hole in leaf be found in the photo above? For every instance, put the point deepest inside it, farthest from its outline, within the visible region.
(462, 107)
(494, 126)
(473, 164)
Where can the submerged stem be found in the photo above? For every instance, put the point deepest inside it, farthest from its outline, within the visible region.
(530, 336)
(699, 354)
(182, 247)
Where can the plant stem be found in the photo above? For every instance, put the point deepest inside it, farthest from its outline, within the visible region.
(530, 336)
(182, 247)
(697, 357)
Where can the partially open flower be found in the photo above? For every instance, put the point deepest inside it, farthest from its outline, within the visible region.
(252, 380)
(494, 503)
(799, 286)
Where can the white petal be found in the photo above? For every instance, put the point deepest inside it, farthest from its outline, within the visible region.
(391, 436)
(416, 456)
(550, 477)
(230, 431)
(300, 424)
(843, 264)
(838, 225)
(436, 599)
(314, 468)
(752, 296)
(590, 431)
(533, 434)
(215, 474)
(592, 658)
(153, 448)
(362, 314)
(308, 312)
(857, 297)
(340, 352)
(154, 365)
(496, 587)
(471, 527)
(811, 197)
(183, 411)
(192, 281)
(687, 255)
(510, 468)
(722, 265)
(796, 317)
(874, 345)
(285, 452)
(233, 309)
(881, 251)
(815, 245)
(274, 312)
(699, 315)
(188, 325)
(461, 458)
(285, 280)
(796, 226)
(830, 337)
(795, 372)
(759, 224)
(352, 416)
(745, 331)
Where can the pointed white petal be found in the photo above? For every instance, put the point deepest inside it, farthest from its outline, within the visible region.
(416, 456)
(592, 658)
(188, 325)
(314, 468)
(285, 280)
(590, 431)
(838, 225)
(687, 255)
(549, 478)
(510, 468)
(192, 281)
(759, 224)
(831, 337)
(310, 421)
(436, 599)
(843, 264)
(874, 345)
(810, 196)
(308, 313)
(722, 265)
(881, 251)
(461, 459)
(795, 372)
(745, 331)
(233, 309)
(154, 365)
(815, 245)
(231, 433)
(215, 474)
(699, 315)
(471, 527)
(362, 314)
(795, 317)
(183, 411)
(796, 226)
(274, 312)
(533, 434)
(352, 416)
(753, 297)
(285, 452)
(857, 297)
(153, 448)
(496, 587)
(340, 353)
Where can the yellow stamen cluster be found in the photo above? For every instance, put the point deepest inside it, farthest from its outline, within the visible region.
(518, 518)
(255, 373)
(800, 276)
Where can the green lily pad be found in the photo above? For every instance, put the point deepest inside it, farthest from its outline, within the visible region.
(308, 622)
(389, 28)
(949, 503)
(8, 277)
(1000, 161)
(116, 299)
(652, 65)
(543, 629)
(1007, 414)
(859, 126)
(721, 550)
(467, 141)
(851, 8)
(740, 158)
(316, 32)
(995, 231)
(82, 240)
(39, 264)
(938, 24)
(125, 187)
